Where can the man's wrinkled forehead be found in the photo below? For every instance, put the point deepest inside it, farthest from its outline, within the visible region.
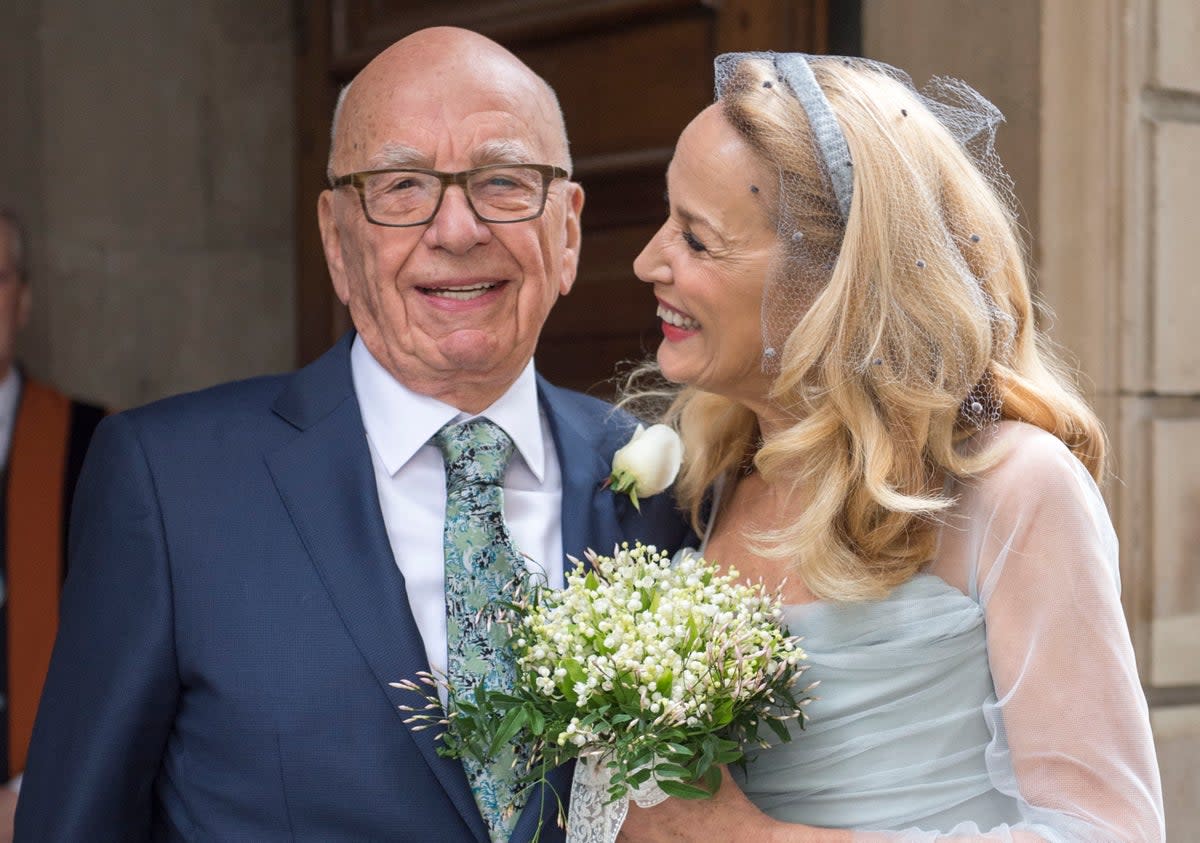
(498, 150)
(440, 141)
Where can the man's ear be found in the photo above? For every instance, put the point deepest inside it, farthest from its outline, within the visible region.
(573, 236)
(24, 304)
(331, 242)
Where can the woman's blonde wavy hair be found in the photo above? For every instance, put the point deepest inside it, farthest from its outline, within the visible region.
(886, 348)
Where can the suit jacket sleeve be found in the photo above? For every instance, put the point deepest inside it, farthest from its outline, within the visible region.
(112, 689)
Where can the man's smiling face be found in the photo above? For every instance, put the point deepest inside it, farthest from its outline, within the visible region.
(452, 308)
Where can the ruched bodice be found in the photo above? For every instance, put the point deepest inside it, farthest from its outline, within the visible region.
(897, 734)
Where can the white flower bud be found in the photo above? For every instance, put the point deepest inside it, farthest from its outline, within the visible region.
(652, 458)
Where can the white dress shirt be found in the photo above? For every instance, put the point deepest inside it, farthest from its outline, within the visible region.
(411, 479)
(10, 394)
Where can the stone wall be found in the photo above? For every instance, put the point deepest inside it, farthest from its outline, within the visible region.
(150, 148)
(1164, 394)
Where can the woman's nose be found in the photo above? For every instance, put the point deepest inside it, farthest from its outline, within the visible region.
(649, 266)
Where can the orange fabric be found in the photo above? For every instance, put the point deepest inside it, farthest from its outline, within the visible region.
(36, 471)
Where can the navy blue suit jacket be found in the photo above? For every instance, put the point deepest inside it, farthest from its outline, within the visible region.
(234, 614)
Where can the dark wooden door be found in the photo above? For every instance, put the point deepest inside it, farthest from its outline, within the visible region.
(630, 74)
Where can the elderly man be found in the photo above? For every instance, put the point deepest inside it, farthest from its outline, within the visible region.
(254, 564)
(43, 437)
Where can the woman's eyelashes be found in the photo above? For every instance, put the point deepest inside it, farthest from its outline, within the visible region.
(693, 242)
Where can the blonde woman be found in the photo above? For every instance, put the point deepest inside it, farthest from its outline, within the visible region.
(872, 419)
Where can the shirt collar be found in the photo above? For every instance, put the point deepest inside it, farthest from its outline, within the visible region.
(399, 421)
(10, 393)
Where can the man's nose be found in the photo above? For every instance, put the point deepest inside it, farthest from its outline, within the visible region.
(455, 227)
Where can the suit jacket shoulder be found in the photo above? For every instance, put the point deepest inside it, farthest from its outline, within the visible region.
(593, 418)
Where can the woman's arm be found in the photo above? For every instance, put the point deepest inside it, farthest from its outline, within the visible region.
(728, 815)
(1072, 740)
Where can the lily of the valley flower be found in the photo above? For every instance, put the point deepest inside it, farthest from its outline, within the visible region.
(647, 464)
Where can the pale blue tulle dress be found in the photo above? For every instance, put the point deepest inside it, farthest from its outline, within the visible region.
(993, 694)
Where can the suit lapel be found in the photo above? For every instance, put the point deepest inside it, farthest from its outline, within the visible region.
(327, 483)
(590, 517)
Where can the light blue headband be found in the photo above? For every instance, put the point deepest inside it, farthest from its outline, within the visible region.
(794, 69)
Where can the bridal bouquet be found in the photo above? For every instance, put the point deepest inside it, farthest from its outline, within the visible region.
(653, 674)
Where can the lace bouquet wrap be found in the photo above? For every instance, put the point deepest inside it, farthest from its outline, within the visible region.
(652, 673)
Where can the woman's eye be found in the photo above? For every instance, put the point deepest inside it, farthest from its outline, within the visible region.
(693, 242)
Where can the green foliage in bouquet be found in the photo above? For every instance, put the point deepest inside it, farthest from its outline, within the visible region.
(663, 671)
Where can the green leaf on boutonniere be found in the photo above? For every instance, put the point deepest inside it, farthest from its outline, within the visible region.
(625, 483)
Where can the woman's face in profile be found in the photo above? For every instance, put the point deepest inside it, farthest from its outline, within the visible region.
(709, 261)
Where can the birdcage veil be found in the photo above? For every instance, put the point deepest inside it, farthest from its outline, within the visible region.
(862, 156)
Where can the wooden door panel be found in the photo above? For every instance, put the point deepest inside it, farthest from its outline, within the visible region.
(609, 300)
(626, 90)
(630, 74)
(364, 27)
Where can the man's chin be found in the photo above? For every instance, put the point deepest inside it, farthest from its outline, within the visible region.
(474, 351)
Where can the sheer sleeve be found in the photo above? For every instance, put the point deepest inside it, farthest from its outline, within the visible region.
(1070, 727)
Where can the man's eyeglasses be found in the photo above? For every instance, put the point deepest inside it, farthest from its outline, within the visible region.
(495, 193)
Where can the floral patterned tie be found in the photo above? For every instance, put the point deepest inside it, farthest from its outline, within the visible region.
(481, 564)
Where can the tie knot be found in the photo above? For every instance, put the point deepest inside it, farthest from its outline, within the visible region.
(476, 453)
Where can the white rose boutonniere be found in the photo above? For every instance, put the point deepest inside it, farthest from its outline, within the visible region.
(647, 464)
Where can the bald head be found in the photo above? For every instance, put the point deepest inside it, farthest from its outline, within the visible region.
(446, 66)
